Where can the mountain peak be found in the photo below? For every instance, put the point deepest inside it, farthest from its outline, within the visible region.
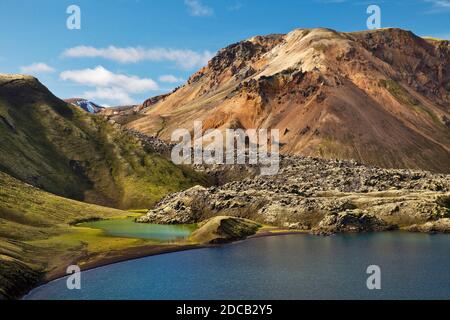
(26, 92)
(344, 95)
(17, 78)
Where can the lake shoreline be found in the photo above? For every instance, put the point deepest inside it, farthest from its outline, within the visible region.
(290, 247)
(126, 255)
(155, 250)
(149, 251)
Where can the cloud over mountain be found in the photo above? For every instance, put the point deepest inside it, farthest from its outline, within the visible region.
(37, 68)
(186, 59)
(101, 77)
(170, 78)
(109, 86)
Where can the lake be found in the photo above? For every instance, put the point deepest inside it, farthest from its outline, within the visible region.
(413, 266)
(127, 228)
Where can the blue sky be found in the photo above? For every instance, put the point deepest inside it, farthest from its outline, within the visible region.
(129, 50)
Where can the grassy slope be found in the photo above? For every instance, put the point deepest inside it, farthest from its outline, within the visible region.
(36, 234)
(63, 150)
(49, 145)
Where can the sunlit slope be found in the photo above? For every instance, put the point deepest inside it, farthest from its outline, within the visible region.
(381, 97)
(66, 151)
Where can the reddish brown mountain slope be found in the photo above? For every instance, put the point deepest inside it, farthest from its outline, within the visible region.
(381, 97)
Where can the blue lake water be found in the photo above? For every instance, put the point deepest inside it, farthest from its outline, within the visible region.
(413, 266)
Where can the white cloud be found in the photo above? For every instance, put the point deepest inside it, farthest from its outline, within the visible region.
(101, 77)
(112, 95)
(197, 9)
(236, 7)
(111, 87)
(439, 5)
(187, 59)
(36, 68)
(170, 79)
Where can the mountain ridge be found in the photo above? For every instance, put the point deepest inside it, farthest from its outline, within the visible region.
(381, 97)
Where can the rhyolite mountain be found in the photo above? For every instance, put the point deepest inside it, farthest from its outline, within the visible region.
(380, 97)
(61, 149)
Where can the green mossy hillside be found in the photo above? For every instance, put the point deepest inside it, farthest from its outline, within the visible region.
(27, 215)
(66, 151)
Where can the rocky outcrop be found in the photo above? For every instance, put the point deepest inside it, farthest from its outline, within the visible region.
(234, 60)
(322, 196)
(177, 209)
(152, 101)
(153, 144)
(439, 226)
(350, 221)
(224, 229)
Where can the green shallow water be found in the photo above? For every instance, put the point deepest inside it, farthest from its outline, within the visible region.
(127, 228)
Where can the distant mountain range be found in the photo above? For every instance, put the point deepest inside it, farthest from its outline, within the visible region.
(86, 105)
(381, 97)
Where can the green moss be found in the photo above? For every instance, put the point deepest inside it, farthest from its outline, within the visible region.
(402, 96)
(399, 92)
(71, 153)
(27, 213)
(139, 211)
